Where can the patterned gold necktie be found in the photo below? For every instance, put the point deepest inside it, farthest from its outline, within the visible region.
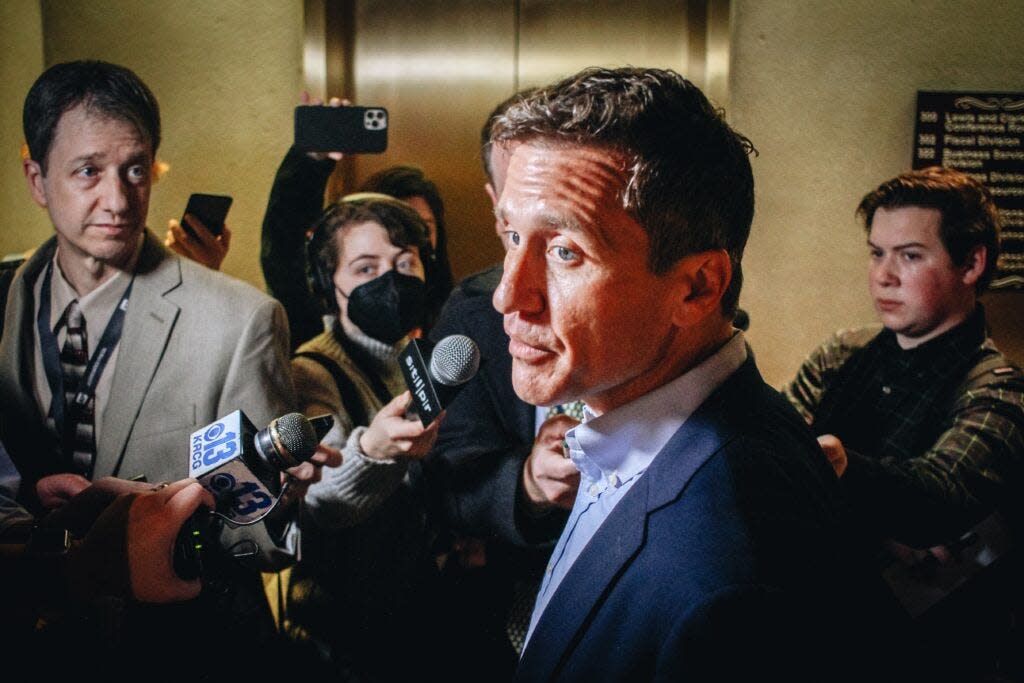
(573, 410)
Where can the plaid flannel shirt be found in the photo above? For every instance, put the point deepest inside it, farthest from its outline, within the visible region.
(934, 435)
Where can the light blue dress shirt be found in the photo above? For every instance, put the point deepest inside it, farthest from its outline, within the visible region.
(612, 451)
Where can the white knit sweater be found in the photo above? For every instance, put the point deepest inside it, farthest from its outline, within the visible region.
(348, 494)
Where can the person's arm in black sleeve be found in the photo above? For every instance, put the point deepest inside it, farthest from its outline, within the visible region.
(473, 473)
(296, 201)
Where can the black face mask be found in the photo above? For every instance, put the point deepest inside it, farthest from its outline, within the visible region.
(388, 307)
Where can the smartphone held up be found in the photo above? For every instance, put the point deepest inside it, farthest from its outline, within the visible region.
(210, 209)
(348, 129)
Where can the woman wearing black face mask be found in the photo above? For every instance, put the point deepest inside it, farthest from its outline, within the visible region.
(366, 563)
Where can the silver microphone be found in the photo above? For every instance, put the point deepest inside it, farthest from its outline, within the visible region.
(288, 441)
(453, 362)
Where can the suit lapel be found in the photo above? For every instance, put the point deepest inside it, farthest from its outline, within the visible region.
(147, 327)
(623, 534)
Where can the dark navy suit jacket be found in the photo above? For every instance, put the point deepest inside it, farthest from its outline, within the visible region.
(728, 560)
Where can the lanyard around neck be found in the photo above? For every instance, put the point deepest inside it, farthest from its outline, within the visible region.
(97, 362)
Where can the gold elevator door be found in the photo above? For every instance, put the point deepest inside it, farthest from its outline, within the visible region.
(440, 66)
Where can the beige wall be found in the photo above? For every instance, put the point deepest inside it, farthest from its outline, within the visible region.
(227, 75)
(826, 91)
(21, 60)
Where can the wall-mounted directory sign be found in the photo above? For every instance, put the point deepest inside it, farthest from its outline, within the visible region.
(981, 134)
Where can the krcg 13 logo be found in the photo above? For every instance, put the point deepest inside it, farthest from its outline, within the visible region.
(217, 445)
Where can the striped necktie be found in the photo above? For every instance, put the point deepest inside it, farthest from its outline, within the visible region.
(524, 591)
(78, 439)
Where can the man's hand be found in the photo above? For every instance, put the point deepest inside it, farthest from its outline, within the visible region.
(333, 102)
(154, 520)
(56, 490)
(205, 248)
(74, 502)
(833, 449)
(390, 435)
(549, 477)
(128, 530)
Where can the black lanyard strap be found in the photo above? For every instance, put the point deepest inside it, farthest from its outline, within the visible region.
(97, 361)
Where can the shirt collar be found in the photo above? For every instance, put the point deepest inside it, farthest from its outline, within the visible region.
(624, 441)
(97, 306)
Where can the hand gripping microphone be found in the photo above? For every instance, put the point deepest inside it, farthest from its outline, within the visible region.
(453, 362)
(242, 468)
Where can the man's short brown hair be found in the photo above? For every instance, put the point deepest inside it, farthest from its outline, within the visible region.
(691, 186)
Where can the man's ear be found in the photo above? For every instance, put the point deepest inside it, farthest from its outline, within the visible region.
(489, 189)
(974, 265)
(702, 279)
(34, 178)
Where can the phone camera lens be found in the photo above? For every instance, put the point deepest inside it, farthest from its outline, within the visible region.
(375, 119)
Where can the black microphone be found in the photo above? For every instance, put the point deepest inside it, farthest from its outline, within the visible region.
(242, 468)
(453, 362)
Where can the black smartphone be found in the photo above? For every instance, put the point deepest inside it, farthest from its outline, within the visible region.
(355, 130)
(210, 209)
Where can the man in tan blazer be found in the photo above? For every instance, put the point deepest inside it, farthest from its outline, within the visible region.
(169, 346)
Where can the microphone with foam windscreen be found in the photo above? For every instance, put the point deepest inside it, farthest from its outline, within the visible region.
(242, 468)
(453, 362)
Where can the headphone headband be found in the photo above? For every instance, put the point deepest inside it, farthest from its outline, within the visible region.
(366, 197)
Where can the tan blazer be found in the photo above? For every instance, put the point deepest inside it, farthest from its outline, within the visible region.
(197, 345)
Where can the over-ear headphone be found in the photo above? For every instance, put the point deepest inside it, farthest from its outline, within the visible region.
(319, 276)
(321, 282)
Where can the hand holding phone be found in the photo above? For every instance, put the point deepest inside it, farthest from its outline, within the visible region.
(348, 129)
(210, 209)
(209, 248)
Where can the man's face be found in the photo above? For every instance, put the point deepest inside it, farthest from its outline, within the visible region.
(586, 318)
(96, 189)
(918, 292)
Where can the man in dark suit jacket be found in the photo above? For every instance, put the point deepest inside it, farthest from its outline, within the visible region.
(707, 540)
